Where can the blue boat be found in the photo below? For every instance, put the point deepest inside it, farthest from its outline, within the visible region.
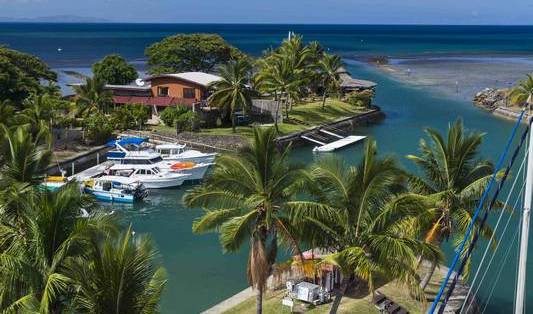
(107, 190)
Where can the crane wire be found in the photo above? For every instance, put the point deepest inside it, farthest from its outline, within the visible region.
(472, 284)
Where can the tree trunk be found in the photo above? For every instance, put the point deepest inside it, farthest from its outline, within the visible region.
(324, 100)
(277, 115)
(259, 300)
(345, 283)
(287, 108)
(233, 121)
(427, 278)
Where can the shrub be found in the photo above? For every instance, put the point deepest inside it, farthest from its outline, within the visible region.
(360, 99)
(130, 116)
(170, 114)
(186, 121)
(97, 128)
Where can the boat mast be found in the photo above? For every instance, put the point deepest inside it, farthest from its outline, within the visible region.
(521, 285)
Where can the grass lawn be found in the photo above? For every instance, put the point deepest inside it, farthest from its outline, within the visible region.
(303, 116)
(353, 304)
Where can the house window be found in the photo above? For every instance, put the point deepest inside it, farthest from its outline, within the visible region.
(189, 93)
(162, 91)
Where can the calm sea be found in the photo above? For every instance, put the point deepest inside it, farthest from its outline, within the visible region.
(199, 274)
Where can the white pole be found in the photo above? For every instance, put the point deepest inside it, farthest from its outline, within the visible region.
(521, 285)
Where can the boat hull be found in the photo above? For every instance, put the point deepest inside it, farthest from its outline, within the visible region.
(196, 173)
(206, 158)
(110, 196)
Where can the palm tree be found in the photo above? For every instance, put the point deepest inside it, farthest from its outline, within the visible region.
(523, 93)
(248, 198)
(24, 158)
(7, 111)
(452, 184)
(118, 275)
(233, 91)
(364, 226)
(329, 66)
(93, 96)
(277, 77)
(36, 251)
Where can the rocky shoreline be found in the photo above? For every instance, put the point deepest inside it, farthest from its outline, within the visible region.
(495, 100)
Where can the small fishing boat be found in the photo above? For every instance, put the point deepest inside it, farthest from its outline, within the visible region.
(151, 176)
(177, 152)
(53, 183)
(110, 190)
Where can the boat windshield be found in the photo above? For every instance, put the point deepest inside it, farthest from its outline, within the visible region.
(127, 161)
(156, 160)
(156, 170)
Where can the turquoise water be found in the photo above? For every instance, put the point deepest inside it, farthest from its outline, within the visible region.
(199, 274)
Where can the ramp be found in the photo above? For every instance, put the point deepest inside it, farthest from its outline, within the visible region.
(339, 143)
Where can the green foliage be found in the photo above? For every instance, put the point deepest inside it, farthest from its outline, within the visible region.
(523, 92)
(190, 52)
(20, 75)
(93, 96)
(247, 200)
(130, 116)
(360, 99)
(170, 114)
(114, 69)
(186, 121)
(233, 91)
(97, 128)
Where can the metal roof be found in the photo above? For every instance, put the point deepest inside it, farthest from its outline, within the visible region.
(199, 78)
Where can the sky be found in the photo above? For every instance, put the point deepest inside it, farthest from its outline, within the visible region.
(497, 12)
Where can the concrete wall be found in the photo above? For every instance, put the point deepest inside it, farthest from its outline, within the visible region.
(81, 161)
(345, 124)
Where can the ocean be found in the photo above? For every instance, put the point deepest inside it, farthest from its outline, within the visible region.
(437, 69)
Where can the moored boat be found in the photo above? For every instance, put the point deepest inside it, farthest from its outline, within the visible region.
(177, 152)
(107, 189)
(196, 171)
(53, 183)
(151, 176)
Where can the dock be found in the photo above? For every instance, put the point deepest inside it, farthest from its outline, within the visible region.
(329, 140)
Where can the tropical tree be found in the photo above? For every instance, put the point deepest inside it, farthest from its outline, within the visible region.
(114, 69)
(523, 92)
(93, 96)
(35, 251)
(248, 198)
(453, 180)
(190, 52)
(363, 227)
(232, 92)
(24, 158)
(119, 275)
(329, 66)
(278, 78)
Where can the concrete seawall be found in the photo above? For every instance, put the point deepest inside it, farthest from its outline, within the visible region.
(344, 124)
(80, 161)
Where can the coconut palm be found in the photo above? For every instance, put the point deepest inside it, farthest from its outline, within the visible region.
(453, 180)
(232, 92)
(278, 78)
(93, 96)
(364, 231)
(35, 252)
(7, 111)
(24, 158)
(523, 92)
(118, 275)
(329, 66)
(248, 198)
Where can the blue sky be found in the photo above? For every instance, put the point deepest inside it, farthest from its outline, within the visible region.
(282, 11)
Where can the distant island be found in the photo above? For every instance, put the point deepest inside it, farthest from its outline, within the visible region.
(55, 19)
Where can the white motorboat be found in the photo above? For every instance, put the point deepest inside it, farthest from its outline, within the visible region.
(177, 152)
(111, 190)
(196, 171)
(151, 176)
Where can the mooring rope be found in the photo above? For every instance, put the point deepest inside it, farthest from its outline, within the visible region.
(479, 229)
(476, 214)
